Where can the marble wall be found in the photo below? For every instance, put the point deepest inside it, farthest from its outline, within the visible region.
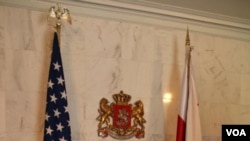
(102, 57)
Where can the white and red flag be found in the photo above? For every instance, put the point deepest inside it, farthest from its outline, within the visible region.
(188, 125)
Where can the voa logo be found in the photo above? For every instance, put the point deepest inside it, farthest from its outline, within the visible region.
(236, 132)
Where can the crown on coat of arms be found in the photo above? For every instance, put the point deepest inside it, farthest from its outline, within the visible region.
(121, 98)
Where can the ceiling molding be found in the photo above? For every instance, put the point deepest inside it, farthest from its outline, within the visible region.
(145, 13)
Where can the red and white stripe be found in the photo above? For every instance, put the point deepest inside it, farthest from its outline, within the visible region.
(188, 125)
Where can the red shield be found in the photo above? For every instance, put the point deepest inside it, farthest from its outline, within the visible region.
(122, 116)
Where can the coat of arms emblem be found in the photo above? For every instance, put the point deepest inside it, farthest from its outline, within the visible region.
(121, 120)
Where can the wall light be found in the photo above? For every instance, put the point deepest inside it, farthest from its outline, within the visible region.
(167, 97)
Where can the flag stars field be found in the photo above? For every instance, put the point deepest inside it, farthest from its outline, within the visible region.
(49, 130)
(50, 84)
(62, 139)
(60, 80)
(65, 109)
(57, 126)
(56, 66)
(53, 98)
(63, 95)
(47, 117)
(56, 113)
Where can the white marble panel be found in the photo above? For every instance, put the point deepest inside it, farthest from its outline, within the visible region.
(2, 116)
(244, 90)
(2, 91)
(245, 58)
(102, 57)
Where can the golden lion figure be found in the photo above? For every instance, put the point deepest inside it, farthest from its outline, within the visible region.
(137, 114)
(105, 111)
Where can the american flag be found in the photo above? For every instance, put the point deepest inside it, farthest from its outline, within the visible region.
(57, 126)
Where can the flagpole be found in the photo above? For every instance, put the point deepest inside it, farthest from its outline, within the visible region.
(182, 116)
(189, 49)
(56, 125)
(188, 124)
